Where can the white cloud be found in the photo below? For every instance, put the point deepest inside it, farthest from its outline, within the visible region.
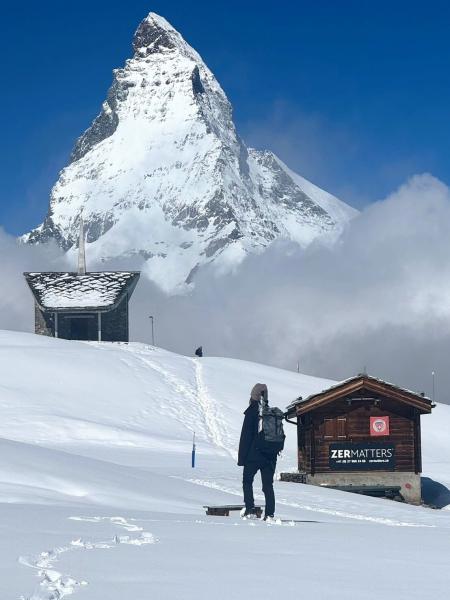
(378, 299)
(16, 304)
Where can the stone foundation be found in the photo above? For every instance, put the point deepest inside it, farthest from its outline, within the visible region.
(409, 483)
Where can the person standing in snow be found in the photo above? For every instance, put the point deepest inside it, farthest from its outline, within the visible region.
(253, 459)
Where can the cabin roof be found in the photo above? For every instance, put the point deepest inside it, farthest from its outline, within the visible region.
(355, 384)
(102, 291)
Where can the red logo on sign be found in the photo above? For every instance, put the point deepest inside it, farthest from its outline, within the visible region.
(379, 425)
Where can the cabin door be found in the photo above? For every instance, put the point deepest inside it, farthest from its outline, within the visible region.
(80, 327)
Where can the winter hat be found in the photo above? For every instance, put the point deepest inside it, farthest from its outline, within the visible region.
(258, 390)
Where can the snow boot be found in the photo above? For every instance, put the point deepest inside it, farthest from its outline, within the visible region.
(249, 513)
(271, 520)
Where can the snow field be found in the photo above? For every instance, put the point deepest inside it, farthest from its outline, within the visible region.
(98, 498)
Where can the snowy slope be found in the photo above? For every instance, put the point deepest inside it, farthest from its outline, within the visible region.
(98, 499)
(162, 174)
(338, 210)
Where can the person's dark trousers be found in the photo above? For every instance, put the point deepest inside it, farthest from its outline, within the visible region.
(267, 468)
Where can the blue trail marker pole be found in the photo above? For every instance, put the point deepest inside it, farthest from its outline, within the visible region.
(193, 451)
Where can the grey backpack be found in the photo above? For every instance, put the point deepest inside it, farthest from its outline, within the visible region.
(270, 438)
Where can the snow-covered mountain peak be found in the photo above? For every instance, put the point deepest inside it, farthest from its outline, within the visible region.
(155, 34)
(161, 173)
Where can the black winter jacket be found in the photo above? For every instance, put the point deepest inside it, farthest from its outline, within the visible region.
(247, 449)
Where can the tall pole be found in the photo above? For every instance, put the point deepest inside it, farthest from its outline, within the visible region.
(193, 451)
(153, 329)
(433, 376)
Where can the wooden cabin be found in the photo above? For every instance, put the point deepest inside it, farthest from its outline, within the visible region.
(361, 435)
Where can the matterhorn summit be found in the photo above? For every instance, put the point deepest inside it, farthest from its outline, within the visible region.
(162, 175)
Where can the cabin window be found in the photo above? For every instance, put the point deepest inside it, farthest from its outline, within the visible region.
(342, 428)
(335, 429)
(328, 429)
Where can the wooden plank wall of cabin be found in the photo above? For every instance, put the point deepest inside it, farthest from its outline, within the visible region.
(418, 442)
(304, 444)
(344, 422)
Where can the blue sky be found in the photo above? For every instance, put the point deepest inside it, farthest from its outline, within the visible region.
(354, 95)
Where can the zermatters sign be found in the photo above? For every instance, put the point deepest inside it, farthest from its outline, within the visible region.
(367, 456)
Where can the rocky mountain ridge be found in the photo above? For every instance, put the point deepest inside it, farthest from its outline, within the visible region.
(161, 174)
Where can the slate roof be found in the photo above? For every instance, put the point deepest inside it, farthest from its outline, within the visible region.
(69, 291)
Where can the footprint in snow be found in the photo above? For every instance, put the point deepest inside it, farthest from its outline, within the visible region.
(54, 585)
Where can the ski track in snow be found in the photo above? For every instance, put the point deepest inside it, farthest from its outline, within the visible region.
(327, 511)
(183, 415)
(216, 425)
(55, 585)
(164, 409)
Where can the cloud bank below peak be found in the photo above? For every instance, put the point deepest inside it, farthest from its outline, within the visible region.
(379, 298)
